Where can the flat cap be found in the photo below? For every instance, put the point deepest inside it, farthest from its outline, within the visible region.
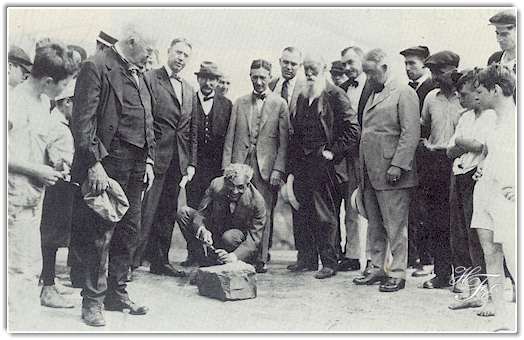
(337, 67)
(18, 56)
(506, 17)
(208, 68)
(106, 39)
(419, 51)
(442, 58)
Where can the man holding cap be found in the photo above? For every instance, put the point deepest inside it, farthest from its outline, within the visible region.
(420, 80)
(19, 66)
(212, 112)
(505, 28)
(440, 113)
(338, 75)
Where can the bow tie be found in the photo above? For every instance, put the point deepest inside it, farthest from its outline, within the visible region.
(377, 88)
(413, 84)
(208, 98)
(133, 70)
(352, 83)
(260, 96)
(174, 76)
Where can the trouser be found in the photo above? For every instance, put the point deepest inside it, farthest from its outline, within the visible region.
(387, 212)
(267, 192)
(161, 220)
(196, 189)
(465, 245)
(315, 223)
(106, 246)
(351, 221)
(229, 240)
(436, 181)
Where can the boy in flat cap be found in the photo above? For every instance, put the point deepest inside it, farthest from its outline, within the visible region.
(506, 30)
(420, 80)
(441, 112)
(19, 66)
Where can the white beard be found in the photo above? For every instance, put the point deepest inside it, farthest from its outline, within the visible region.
(314, 90)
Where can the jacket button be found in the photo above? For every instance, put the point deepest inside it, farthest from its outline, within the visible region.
(111, 127)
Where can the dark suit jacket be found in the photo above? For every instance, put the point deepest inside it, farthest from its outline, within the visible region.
(495, 57)
(97, 109)
(422, 92)
(173, 122)
(390, 135)
(366, 92)
(249, 216)
(292, 105)
(338, 120)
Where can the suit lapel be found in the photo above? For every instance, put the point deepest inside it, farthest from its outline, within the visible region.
(187, 95)
(322, 111)
(116, 80)
(248, 112)
(377, 98)
(163, 78)
(294, 97)
(264, 114)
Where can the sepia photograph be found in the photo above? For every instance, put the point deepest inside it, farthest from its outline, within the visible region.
(261, 169)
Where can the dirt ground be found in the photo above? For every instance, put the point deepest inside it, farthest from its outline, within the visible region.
(286, 302)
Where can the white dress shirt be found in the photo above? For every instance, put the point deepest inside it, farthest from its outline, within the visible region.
(290, 87)
(206, 105)
(177, 84)
(354, 93)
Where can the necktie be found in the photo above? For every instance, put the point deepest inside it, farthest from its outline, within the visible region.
(377, 88)
(260, 96)
(208, 98)
(174, 76)
(353, 83)
(285, 90)
(134, 72)
(413, 84)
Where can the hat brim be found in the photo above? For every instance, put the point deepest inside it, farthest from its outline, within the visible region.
(208, 74)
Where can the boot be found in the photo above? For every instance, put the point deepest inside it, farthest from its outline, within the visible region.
(50, 297)
(92, 314)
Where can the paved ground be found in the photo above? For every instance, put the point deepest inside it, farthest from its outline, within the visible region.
(285, 302)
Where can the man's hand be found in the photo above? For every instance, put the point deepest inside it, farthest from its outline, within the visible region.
(205, 235)
(190, 173)
(509, 193)
(46, 175)
(393, 174)
(276, 178)
(225, 257)
(97, 179)
(480, 170)
(149, 176)
(328, 155)
(426, 144)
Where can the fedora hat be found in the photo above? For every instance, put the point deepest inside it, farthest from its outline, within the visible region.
(357, 203)
(208, 68)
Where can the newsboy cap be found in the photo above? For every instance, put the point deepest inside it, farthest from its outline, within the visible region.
(106, 39)
(337, 67)
(506, 17)
(18, 56)
(208, 68)
(442, 58)
(418, 51)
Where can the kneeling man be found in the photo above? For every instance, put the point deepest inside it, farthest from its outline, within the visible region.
(230, 217)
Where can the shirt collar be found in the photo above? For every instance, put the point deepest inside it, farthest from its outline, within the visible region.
(170, 72)
(361, 79)
(291, 82)
(423, 78)
(201, 96)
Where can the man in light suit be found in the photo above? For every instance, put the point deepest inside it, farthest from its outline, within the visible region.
(176, 157)
(390, 134)
(325, 132)
(257, 135)
(288, 86)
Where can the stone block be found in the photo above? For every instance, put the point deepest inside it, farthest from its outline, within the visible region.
(227, 282)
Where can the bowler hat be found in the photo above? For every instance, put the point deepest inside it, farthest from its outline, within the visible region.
(506, 17)
(18, 56)
(418, 51)
(208, 68)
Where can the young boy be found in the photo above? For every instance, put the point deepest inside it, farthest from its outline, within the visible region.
(35, 159)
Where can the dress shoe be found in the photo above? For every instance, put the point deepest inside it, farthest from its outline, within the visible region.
(301, 267)
(346, 264)
(369, 266)
(437, 282)
(324, 273)
(261, 268)
(420, 271)
(190, 262)
(50, 297)
(92, 314)
(121, 305)
(371, 278)
(167, 270)
(392, 284)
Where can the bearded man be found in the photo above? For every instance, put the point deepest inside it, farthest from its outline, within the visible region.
(325, 131)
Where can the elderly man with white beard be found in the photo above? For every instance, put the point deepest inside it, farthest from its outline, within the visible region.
(325, 131)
